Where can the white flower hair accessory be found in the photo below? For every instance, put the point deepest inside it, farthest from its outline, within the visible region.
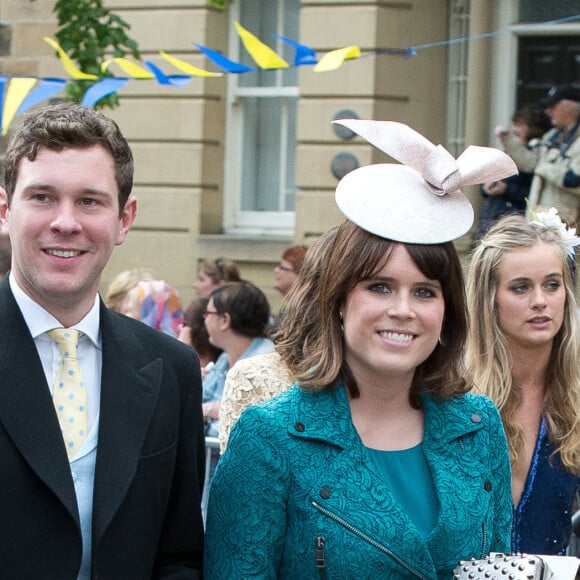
(550, 219)
(420, 201)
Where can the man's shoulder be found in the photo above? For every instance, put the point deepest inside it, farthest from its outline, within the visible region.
(151, 339)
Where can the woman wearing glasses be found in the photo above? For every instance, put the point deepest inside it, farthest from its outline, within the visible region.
(286, 272)
(236, 320)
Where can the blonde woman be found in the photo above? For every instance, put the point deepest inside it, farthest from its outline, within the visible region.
(523, 353)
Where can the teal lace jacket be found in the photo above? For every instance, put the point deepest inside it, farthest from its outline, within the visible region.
(296, 495)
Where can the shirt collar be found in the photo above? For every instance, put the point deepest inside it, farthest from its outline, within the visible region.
(40, 321)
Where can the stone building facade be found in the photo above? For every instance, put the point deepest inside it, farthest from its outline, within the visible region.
(194, 145)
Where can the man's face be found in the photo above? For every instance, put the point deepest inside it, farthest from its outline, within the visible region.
(63, 223)
(563, 113)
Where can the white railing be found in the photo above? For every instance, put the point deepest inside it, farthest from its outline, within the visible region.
(211, 445)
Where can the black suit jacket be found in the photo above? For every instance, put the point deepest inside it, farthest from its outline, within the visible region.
(149, 468)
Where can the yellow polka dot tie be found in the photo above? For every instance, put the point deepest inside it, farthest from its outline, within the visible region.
(69, 394)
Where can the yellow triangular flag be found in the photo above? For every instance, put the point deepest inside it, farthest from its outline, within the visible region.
(263, 55)
(187, 68)
(334, 59)
(132, 69)
(18, 90)
(68, 64)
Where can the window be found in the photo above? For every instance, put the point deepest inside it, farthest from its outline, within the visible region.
(542, 11)
(457, 56)
(261, 124)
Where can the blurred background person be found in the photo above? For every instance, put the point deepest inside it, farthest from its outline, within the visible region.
(212, 274)
(119, 287)
(555, 161)
(286, 272)
(194, 333)
(259, 378)
(157, 304)
(509, 195)
(236, 320)
(523, 353)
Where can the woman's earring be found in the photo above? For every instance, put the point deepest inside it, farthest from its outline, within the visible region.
(442, 340)
(341, 320)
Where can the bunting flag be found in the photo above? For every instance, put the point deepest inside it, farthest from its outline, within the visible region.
(45, 89)
(163, 79)
(17, 91)
(303, 55)
(221, 61)
(3, 81)
(262, 54)
(103, 88)
(133, 70)
(334, 59)
(188, 68)
(68, 64)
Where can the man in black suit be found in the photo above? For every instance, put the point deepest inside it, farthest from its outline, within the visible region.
(121, 501)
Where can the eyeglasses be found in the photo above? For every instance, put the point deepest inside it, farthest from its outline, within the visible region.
(285, 268)
(206, 313)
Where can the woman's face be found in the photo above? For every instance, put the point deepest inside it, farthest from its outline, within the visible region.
(204, 285)
(284, 277)
(213, 324)
(530, 295)
(392, 321)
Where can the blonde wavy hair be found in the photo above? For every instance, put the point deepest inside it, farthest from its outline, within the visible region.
(488, 360)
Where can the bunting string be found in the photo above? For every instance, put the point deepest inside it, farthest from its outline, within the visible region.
(18, 94)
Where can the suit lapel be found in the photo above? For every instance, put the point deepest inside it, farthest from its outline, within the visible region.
(130, 386)
(26, 409)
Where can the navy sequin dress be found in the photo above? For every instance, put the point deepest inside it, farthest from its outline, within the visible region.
(542, 522)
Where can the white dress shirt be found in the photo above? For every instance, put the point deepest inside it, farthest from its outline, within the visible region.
(39, 322)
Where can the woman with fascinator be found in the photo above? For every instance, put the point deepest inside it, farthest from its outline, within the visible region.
(523, 352)
(376, 463)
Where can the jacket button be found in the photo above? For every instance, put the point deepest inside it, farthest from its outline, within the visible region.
(487, 485)
(476, 418)
(324, 493)
(299, 427)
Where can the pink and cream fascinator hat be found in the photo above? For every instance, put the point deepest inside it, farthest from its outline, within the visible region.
(420, 201)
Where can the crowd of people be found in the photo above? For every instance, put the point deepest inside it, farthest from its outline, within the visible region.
(390, 421)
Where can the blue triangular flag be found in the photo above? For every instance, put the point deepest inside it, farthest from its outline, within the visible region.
(224, 63)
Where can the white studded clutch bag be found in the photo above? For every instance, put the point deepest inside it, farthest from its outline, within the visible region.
(503, 567)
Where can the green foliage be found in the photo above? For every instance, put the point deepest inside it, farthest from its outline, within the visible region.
(221, 4)
(90, 34)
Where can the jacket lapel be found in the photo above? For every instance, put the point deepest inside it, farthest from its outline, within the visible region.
(26, 409)
(130, 386)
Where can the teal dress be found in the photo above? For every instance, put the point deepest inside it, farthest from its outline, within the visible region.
(543, 517)
(418, 498)
(297, 495)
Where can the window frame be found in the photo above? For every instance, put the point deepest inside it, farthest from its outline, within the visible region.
(236, 220)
